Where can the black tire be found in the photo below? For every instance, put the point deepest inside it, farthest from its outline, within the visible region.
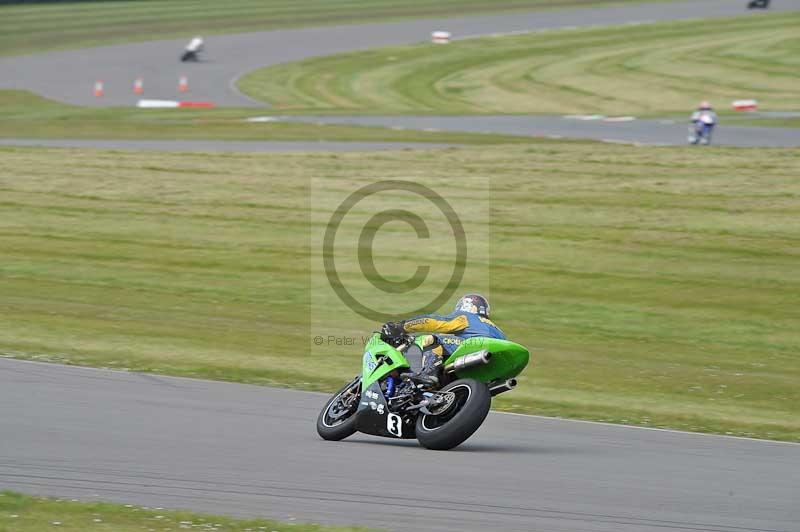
(452, 427)
(333, 427)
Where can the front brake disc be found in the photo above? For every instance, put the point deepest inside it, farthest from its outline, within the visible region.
(440, 403)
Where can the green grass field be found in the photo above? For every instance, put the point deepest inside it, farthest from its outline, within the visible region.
(654, 286)
(649, 69)
(36, 27)
(25, 115)
(21, 513)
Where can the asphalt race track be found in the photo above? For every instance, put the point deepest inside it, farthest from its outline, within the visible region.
(633, 131)
(69, 76)
(657, 132)
(249, 450)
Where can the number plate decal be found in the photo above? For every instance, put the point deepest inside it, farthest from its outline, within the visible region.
(394, 424)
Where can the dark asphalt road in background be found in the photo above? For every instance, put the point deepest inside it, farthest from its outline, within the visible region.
(657, 132)
(69, 76)
(249, 450)
(642, 131)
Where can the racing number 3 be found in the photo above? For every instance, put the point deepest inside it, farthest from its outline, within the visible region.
(394, 424)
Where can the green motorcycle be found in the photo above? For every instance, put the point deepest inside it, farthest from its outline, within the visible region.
(389, 399)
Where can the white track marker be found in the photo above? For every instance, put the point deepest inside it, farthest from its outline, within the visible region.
(619, 118)
(584, 117)
(440, 37)
(156, 104)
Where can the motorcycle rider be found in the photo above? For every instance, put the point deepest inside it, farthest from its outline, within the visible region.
(703, 118)
(194, 47)
(469, 319)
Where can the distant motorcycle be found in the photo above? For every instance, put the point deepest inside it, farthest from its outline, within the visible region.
(192, 50)
(701, 128)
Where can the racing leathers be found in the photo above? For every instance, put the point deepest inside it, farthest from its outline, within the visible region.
(706, 116)
(703, 121)
(446, 333)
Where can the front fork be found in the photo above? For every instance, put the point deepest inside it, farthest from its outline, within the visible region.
(390, 385)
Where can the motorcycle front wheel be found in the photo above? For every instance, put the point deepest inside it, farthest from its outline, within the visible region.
(447, 429)
(337, 420)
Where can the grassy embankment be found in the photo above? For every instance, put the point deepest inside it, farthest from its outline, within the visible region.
(661, 69)
(25, 115)
(37, 27)
(652, 69)
(21, 513)
(654, 286)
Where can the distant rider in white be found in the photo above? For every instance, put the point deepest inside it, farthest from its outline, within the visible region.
(703, 121)
(194, 47)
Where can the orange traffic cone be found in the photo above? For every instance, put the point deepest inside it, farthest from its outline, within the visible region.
(183, 84)
(98, 88)
(138, 86)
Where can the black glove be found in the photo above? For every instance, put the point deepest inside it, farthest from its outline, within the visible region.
(392, 332)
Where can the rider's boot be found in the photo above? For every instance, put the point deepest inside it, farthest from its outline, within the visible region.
(431, 366)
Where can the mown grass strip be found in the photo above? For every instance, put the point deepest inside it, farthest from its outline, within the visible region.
(640, 70)
(22, 513)
(25, 115)
(654, 285)
(37, 27)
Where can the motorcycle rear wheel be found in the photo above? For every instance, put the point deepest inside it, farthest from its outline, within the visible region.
(337, 420)
(452, 427)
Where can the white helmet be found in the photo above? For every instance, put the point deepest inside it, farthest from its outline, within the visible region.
(474, 304)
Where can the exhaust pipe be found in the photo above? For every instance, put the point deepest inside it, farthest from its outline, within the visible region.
(502, 387)
(475, 359)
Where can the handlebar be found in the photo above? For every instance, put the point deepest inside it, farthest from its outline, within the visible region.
(400, 343)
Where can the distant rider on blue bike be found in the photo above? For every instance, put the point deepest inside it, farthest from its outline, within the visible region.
(703, 121)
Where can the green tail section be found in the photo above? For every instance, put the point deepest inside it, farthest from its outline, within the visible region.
(507, 361)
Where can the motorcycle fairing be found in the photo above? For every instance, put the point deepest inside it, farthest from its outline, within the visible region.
(379, 360)
(373, 416)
